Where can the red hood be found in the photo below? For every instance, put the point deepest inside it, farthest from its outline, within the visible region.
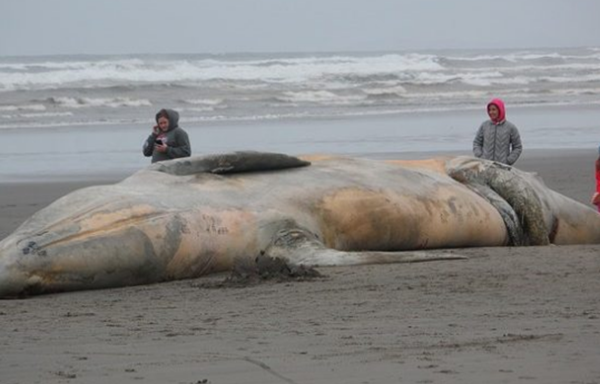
(500, 104)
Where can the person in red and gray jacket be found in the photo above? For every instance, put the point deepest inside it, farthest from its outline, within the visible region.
(497, 138)
(596, 195)
(167, 140)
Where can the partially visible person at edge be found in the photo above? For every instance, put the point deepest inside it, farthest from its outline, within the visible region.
(167, 140)
(596, 196)
(497, 138)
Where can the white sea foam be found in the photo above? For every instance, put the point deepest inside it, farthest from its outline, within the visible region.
(397, 90)
(86, 102)
(37, 115)
(576, 91)
(197, 109)
(565, 79)
(280, 86)
(210, 102)
(321, 97)
(29, 107)
(528, 56)
(70, 65)
(46, 114)
(414, 68)
(118, 72)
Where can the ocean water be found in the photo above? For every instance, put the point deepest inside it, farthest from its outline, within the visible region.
(90, 114)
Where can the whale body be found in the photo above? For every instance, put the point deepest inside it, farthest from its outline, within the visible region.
(190, 217)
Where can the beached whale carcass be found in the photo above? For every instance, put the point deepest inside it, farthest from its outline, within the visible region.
(190, 217)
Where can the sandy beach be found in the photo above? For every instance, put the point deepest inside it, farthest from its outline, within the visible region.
(504, 315)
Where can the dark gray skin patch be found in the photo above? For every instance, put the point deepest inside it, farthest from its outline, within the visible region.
(176, 227)
(237, 162)
(452, 206)
(554, 230)
(517, 192)
(516, 236)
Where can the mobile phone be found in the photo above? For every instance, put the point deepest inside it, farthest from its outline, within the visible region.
(158, 141)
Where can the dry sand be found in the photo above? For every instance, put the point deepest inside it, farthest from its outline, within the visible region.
(505, 315)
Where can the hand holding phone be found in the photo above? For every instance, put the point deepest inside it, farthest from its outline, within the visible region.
(160, 145)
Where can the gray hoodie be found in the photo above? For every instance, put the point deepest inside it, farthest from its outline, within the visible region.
(176, 139)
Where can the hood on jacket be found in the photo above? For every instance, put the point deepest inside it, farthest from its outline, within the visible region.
(172, 115)
(500, 105)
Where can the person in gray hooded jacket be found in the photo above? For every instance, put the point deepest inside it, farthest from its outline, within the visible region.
(167, 140)
(497, 139)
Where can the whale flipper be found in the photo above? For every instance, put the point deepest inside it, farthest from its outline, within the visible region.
(301, 247)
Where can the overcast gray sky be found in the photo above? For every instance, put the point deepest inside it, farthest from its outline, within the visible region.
(35, 27)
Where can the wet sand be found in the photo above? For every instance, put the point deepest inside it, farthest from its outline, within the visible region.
(505, 315)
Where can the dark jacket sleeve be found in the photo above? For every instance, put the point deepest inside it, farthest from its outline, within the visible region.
(182, 146)
(148, 147)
